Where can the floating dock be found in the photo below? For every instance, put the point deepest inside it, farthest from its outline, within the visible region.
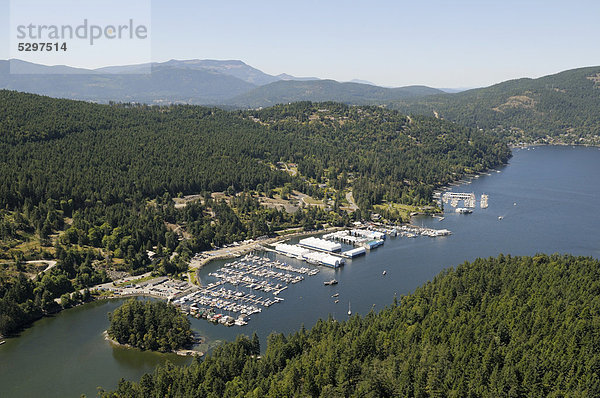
(454, 197)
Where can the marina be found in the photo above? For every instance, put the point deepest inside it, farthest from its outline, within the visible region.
(469, 200)
(232, 292)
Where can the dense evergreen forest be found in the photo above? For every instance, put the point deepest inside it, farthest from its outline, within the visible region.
(93, 186)
(150, 325)
(496, 327)
(390, 156)
(560, 108)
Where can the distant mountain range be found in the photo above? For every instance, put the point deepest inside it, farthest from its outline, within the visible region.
(206, 82)
(563, 106)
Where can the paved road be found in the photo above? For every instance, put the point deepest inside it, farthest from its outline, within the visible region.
(351, 202)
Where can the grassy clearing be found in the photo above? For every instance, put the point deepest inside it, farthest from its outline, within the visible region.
(134, 281)
(401, 211)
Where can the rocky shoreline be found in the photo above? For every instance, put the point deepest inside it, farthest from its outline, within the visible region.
(184, 353)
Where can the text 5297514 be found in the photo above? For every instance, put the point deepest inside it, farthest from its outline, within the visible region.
(49, 46)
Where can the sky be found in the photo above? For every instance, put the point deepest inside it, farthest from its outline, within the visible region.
(444, 44)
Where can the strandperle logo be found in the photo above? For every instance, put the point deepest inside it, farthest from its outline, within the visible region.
(84, 31)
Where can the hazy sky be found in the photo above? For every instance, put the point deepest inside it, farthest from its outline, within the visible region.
(392, 43)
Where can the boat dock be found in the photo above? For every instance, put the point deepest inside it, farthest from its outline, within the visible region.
(412, 231)
(364, 238)
(454, 197)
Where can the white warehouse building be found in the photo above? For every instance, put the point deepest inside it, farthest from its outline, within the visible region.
(291, 250)
(320, 244)
(324, 259)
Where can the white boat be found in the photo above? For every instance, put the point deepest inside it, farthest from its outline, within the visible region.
(463, 210)
(349, 310)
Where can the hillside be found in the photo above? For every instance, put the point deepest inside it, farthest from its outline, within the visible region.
(93, 186)
(497, 327)
(556, 108)
(283, 92)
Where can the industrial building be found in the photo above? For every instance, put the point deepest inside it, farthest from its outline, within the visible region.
(294, 251)
(320, 244)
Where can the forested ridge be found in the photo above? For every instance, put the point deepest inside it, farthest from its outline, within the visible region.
(150, 325)
(496, 327)
(93, 186)
(559, 108)
(390, 156)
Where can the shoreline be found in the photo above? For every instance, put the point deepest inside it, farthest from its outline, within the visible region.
(529, 145)
(467, 178)
(182, 352)
(240, 251)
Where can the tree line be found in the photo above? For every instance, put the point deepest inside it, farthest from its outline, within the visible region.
(496, 327)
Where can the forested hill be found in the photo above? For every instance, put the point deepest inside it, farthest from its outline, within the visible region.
(556, 108)
(87, 152)
(283, 92)
(497, 327)
(387, 156)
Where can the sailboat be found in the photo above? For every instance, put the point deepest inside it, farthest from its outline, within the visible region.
(349, 310)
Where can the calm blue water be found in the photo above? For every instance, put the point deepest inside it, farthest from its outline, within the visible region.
(556, 190)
